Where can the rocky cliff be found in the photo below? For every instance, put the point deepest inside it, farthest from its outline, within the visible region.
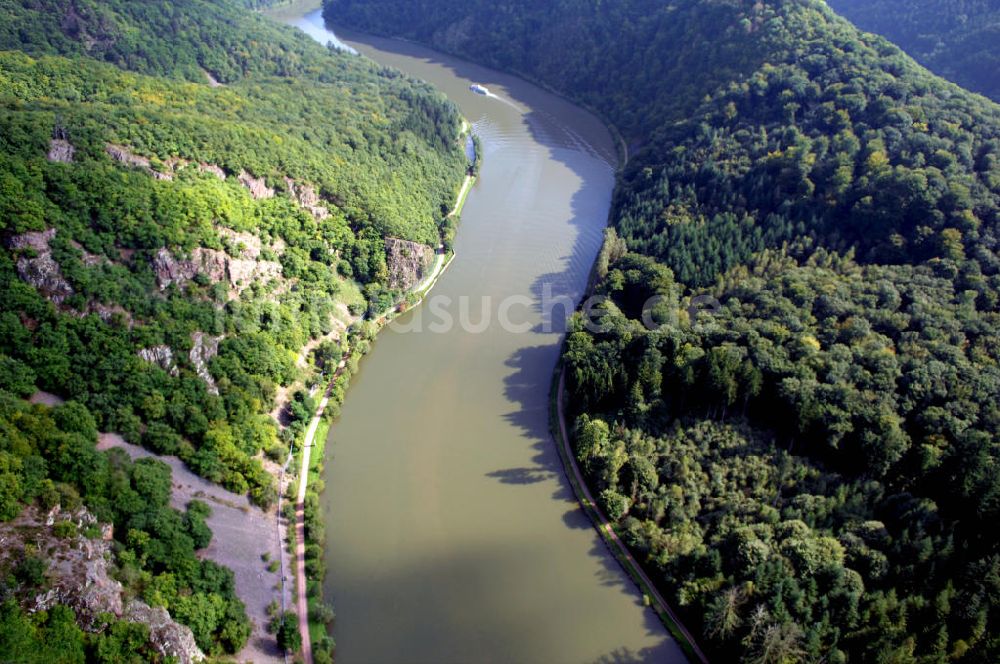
(407, 262)
(204, 348)
(78, 575)
(161, 355)
(306, 196)
(124, 155)
(36, 266)
(240, 271)
(256, 186)
(60, 150)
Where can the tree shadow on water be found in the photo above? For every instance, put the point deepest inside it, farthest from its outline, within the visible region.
(527, 387)
(521, 475)
(625, 655)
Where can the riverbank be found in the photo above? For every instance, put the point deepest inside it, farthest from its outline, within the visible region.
(301, 586)
(463, 193)
(443, 259)
(308, 601)
(606, 530)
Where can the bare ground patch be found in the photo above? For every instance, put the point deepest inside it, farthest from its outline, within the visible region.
(241, 536)
(46, 398)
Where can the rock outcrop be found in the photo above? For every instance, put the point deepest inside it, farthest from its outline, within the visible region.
(303, 194)
(246, 265)
(204, 349)
(246, 246)
(242, 273)
(171, 270)
(213, 170)
(257, 186)
(77, 567)
(216, 265)
(169, 638)
(123, 155)
(61, 150)
(306, 196)
(107, 313)
(36, 266)
(88, 259)
(161, 355)
(407, 262)
(77, 575)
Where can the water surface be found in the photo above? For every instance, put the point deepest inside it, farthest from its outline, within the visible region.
(452, 534)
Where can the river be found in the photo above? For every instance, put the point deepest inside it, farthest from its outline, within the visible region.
(452, 532)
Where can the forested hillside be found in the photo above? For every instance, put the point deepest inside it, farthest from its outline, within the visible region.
(809, 468)
(189, 197)
(958, 39)
(177, 214)
(190, 37)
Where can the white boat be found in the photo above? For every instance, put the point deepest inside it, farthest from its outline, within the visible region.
(479, 89)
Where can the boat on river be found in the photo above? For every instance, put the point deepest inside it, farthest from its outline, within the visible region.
(479, 89)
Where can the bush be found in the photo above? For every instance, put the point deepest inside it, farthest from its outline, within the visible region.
(287, 632)
(30, 571)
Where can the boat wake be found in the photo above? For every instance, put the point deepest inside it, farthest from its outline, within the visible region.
(505, 101)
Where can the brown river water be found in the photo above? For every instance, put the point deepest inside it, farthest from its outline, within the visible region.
(452, 532)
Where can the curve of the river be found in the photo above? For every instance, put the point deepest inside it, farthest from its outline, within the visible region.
(452, 533)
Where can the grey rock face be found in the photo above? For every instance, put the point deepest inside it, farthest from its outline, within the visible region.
(77, 575)
(40, 270)
(242, 245)
(216, 265)
(407, 262)
(257, 186)
(124, 155)
(61, 150)
(213, 169)
(171, 270)
(204, 349)
(306, 196)
(161, 355)
(76, 567)
(171, 639)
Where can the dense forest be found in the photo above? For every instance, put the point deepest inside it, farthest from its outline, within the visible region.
(786, 395)
(285, 185)
(958, 39)
(187, 39)
(190, 196)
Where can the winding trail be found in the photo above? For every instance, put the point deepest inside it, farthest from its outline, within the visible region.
(462, 193)
(608, 532)
(301, 602)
